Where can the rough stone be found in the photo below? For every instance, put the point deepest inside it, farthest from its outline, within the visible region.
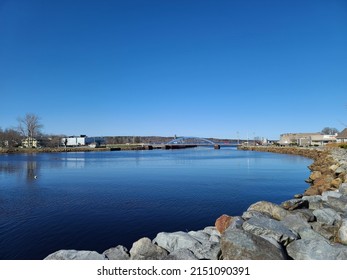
(327, 216)
(327, 194)
(316, 249)
(117, 253)
(201, 236)
(251, 213)
(338, 204)
(214, 234)
(307, 213)
(312, 191)
(175, 241)
(340, 170)
(327, 231)
(309, 233)
(336, 183)
(293, 204)
(296, 222)
(237, 222)
(75, 255)
(312, 198)
(270, 228)
(317, 205)
(342, 232)
(214, 238)
(237, 244)
(144, 249)
(181, 254)
(333, 167)
(343, 189)
(206, 250)
(223, 222)
(270, 208)
(315, 175)
(211, 231)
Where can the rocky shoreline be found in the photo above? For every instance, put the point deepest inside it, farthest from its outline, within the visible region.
(311, 226)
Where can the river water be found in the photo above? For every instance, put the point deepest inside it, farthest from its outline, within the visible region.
(97, 200)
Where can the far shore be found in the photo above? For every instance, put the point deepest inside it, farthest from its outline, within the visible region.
(72, 149)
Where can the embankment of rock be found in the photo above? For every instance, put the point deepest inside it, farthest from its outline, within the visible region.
(310, 226)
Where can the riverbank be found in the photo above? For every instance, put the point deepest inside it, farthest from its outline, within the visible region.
(312, 225)
(121, 147)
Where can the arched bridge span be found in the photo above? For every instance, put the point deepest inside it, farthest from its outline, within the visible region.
(190, 140)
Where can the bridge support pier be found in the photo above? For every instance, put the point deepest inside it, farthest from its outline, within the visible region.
(216, 147)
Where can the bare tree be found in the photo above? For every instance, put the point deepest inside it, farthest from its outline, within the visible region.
(9, 138)
(29, 127)
(329, 130)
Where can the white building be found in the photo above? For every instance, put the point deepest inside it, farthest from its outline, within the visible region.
(306, 139)
(82, 140)
(29, 142)
(72, 141)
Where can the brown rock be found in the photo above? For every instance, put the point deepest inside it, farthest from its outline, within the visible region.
(315, 175)
(275, 211)
(312, 191)
(223, 222)
(336, 182)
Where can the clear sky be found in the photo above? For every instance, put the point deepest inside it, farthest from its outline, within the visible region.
(193, 67)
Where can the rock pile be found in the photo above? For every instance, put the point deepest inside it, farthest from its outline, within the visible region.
(310, 226)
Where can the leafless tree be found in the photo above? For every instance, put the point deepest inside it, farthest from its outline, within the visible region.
(329, 130)
(29, 126)
(9, 138)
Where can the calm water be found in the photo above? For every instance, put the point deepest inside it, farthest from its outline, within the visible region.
(94, 201)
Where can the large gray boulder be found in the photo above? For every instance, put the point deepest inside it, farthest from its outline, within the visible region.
(327, 194)
(144, 249)
(316, 249)
(201, 236)
(296, 222)
(181, 254)
(307, 213)
(270, 208)
(329, 232)
(207, 250)
(75, 255)
(175, 241)
(196, 242)
(338, 203)
(252, 213)
(309, 233)
(238, 244)
(271, 228)
(327, 216)
(211, 231)
(343, 189)
(117, 253)
(342, 233)
(312, 198)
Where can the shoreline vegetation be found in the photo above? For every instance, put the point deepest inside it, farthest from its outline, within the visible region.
(312, 225)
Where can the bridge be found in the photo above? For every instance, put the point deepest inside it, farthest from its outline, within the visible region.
(189, 140)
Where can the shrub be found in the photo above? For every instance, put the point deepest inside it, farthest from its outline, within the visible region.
(344, 146)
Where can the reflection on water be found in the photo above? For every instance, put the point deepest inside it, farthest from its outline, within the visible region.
(30, 168)
(95, 201)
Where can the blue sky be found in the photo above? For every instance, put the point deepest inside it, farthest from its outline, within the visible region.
(192, 68)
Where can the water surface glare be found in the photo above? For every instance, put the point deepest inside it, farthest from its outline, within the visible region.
(97, 200)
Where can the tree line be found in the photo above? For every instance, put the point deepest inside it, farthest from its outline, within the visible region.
(30, 128)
